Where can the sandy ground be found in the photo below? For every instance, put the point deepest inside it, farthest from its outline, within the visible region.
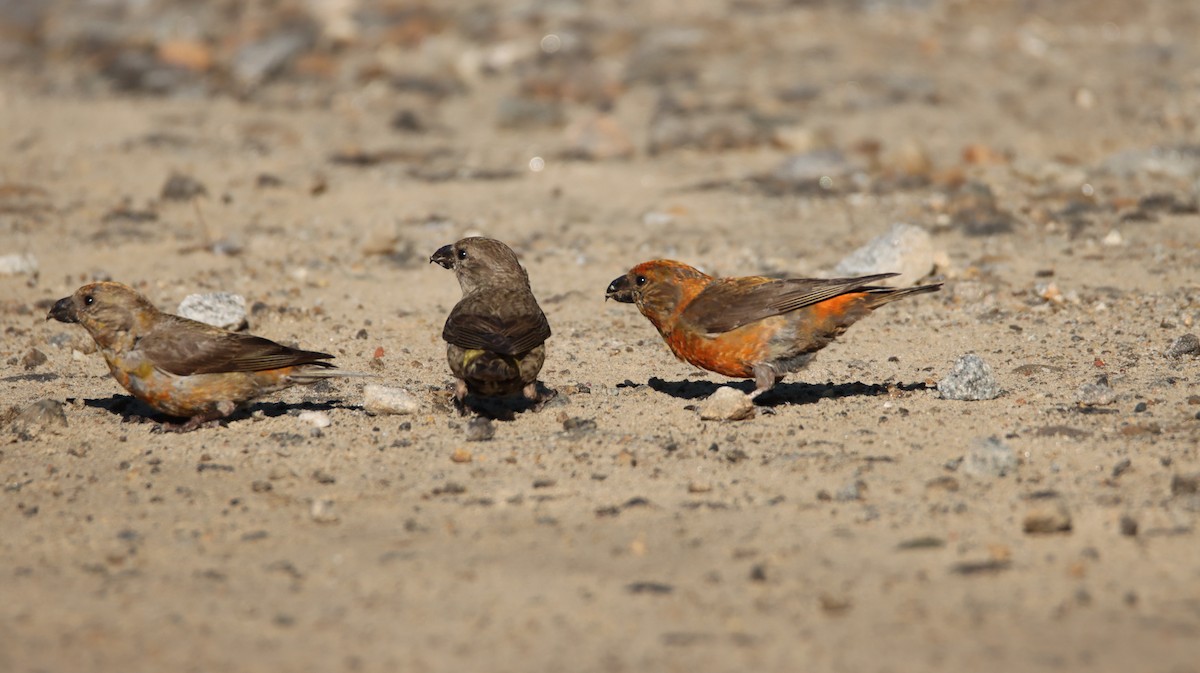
(614, 530)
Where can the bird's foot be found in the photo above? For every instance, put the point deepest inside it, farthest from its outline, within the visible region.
(539, 395)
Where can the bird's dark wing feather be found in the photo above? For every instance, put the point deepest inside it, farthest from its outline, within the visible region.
(731, 303)
(184, 347)
(499, 334)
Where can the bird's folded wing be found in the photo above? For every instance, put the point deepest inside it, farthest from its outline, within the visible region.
(730, 303)
(185, 347)
(498, 334)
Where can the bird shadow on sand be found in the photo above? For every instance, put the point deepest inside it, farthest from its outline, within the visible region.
(133, 410)
(783, 393)
(499, 408)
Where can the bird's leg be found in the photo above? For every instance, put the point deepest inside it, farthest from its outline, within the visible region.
(765, 378)
(460, 395)
(203, 420)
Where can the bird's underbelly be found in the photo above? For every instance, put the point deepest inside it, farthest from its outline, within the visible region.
(732, 353)
(195, 395)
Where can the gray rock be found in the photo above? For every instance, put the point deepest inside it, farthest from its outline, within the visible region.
(727, 404)
(1178, 161)
(42, 416)
(989, 458)
(1095, 395)
(219, 309)
(905, 249)
(383, 400)
(1188, 344)
(180, 187)
(18, 264)
(480, 429)
(969, 379)
(259, 61)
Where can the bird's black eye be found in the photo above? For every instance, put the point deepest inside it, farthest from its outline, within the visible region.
(640, 280)
(89, 299)
(462, 254)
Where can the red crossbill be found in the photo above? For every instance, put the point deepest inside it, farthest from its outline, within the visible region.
(181, 367)
(497, 332)
(749, 327)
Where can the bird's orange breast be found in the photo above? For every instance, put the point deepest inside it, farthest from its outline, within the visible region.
(732, 353)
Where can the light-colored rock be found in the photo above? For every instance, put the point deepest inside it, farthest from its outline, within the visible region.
(317, 419)
(727, 404)
(1095, 395)
(989, 458)
(219, 309)
(383, 400)
(970, 379)
(905, 249)
(18, 264)
(323, 510)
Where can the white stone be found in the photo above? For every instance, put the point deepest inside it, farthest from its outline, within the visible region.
(219, 309)
(18, 264)
(727, 404)
(317, 419)
(383, 400)
(905, 249)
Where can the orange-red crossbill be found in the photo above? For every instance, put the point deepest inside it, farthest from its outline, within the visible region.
(749, 327)
(181, 367)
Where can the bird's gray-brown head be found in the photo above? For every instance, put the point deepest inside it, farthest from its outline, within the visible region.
(479, 262)
(105, 309)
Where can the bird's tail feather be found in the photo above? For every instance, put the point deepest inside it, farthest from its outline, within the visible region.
(882, 295)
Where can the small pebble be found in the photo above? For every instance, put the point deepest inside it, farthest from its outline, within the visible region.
(1049, 515)
(905, 249)
(180, 187)
(317, 419)
(1188, 344)
(323, 511)
(989, 458)
(480, 429)
(969, 379)
(382, 400)
(33, 359)
(727, 404)
(219, 309)
(1129, 526)
(1095, 395)
(461, 455)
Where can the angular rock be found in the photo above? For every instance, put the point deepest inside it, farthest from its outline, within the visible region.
(727, 404)
(905, 249)
(1095, 395)
(989, 458)
(969, 379)
(42, 416)
(383, 400)
(480, 429)
(1188, 344)
(219, 309)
